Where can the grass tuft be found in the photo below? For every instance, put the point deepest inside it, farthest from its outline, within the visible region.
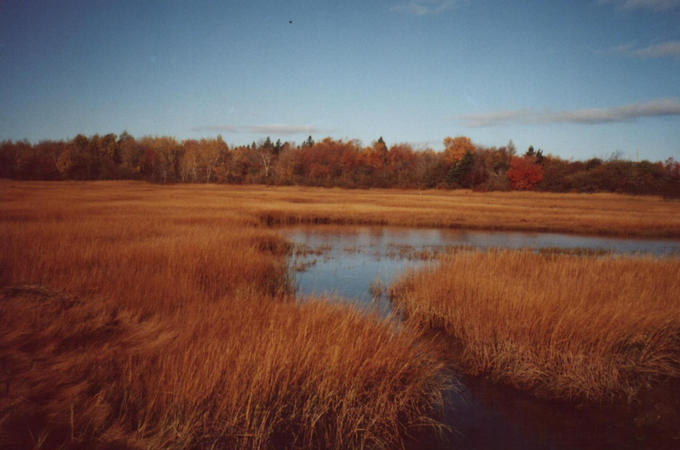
(575, 327)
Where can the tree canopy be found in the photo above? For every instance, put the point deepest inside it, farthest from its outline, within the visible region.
(330, 162)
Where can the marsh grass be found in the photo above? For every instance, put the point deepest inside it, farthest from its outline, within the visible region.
(596, 214)
(143, 317)
(574, 327)
(135, 315)
(238, 373)
(601, 214)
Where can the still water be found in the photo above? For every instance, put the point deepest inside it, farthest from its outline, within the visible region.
(348, 264)
(344, 261)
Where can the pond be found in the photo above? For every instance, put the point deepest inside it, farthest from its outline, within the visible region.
(353, 264)
(345, 261)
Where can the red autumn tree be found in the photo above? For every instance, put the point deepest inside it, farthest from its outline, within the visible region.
(524, 173)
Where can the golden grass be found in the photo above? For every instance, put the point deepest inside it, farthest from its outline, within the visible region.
(605, 214)
(162, 318)
(239, 373)
(602, 214)
(567, 326)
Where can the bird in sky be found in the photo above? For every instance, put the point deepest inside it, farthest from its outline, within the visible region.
(290, 21)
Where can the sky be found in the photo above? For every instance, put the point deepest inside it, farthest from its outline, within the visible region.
(578, 79)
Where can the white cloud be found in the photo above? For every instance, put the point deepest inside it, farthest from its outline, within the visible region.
(624, 48)
(655, 5)
(425, 7)
(282, 129)
(626, 113)
(217, 128)
(664, 49)
(273, 129)
(668, 49)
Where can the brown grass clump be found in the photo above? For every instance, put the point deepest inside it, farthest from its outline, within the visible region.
(239, 373)
(61, 357)
(153, 317)
(156, 246)
(566, 326)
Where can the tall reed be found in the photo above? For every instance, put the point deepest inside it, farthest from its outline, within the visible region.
(137, 316)
(235, 373)
(566, 326)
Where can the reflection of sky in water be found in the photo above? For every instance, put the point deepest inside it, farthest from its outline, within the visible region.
(483, 415)
(348, 274)
(356, 256)
(353, 261)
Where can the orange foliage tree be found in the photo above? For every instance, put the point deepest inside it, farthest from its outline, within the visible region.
(330, 162)
(455, 148)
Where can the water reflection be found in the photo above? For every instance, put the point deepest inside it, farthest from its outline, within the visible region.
(348, 262)
(344, 261)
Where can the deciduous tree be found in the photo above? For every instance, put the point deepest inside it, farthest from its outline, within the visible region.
(455, 148)
(524, 173)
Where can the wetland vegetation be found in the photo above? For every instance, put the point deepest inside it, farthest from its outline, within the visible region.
(140, 315)
(559, 325)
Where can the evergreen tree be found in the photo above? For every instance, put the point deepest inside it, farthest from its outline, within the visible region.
(459, 173)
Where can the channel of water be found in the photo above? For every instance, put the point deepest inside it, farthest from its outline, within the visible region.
(351, 264)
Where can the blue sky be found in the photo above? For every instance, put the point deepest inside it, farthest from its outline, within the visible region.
(575, 78)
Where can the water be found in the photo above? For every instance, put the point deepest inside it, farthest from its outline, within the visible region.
(345, 263)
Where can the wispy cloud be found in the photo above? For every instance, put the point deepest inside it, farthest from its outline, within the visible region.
(425, 7)
(273, 129)
(218, 128)
(654, 5)
(626, 113)
(669, 49)
(422, 145)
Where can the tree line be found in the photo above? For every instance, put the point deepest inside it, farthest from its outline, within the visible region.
(331, 162)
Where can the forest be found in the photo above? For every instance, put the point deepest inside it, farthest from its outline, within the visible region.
(331, 163)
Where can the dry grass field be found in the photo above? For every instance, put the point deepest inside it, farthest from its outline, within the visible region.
(152, 316)
(603, 214)
(562, 326)
(138, 316)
